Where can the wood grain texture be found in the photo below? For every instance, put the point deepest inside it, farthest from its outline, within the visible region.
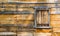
(16, 19)
(25, 34)
(43, 30)
(43, 34)
(55, 20)
(56, 29)
(42, 17)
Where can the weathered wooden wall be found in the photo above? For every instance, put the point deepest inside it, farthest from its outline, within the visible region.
(15, 19)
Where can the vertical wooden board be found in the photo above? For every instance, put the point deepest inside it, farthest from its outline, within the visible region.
(42, 17)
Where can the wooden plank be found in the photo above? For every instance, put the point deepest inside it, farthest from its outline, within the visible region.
(25, 34)
(56, 29)
(7, 33)
(16, 19)
(55, 20)
(26, 0)
(42, 34)
(26, 9)
(21, 0)
(55, 17)
(43, 30)
(55, 23)
(3, 0)
(26, 18)
(56, 34)
(8, 29)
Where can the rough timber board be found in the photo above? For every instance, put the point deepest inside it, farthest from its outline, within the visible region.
(3, 0)
(55, 10)
(55, 17)
(7, 33)
(26, 18)
(56, 29)
(55, 20)
(56, 34)
(42, 34)
(27, 0)
(25, 34)
(41, 19)
(43, 30)
(15, 19)
(6, 29)
(55, 23)
(26, 9)
(21, 1)
(7, 19)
